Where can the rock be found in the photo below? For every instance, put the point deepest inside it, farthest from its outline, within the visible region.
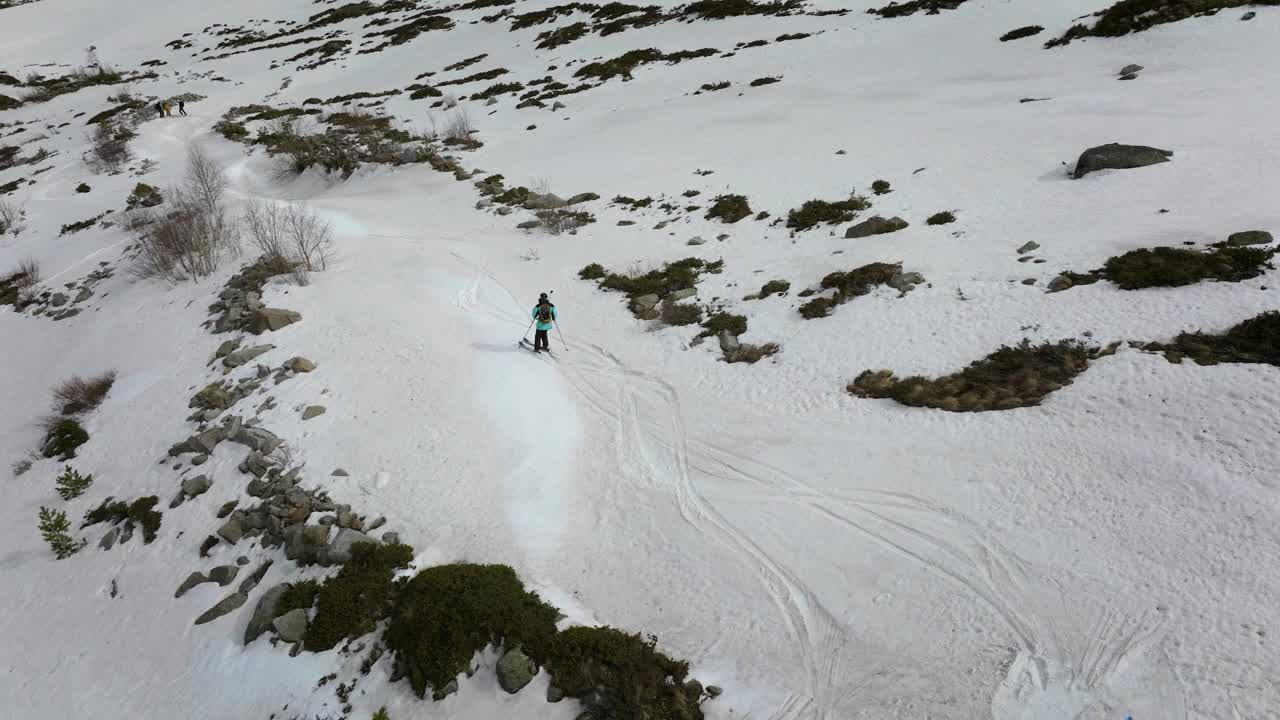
(242, 561)
(504, 210)
(905, 282)
(248, 584)
(1249, 237)
(233, 529)
(199, 460)
(240, 357)
(491, 101)
(339, 551)
(1029, 281)
(534, 201)
(84, 294)
(67, 314)
(1131, 76)
(376, 524)
(722, 237)
(529, 225)
(1249, 15)
(271, 319)
(226, 605)
(264, 612)
(1131, 69)
(201, 443)
(177, 500)
(583, 197)
(483, 203)
(58, 300)
(1115, 156)
(696, 240)
(875, 226)
(515, 670)
(207, 545)
(228, 347)
(292, 625)
(554, 694)
(626, 223)
(224, 575)
(557, 105)
(729, 342)
(263, 371)
(197, 485)
(349, 519)
(714, 691)
(264, 441)
(341, 473)
(227, 507)
(1028, 246)
(445, 692)
(391, 538)
(194, 579)
(109, 539)
(684, 294)
(645, 302)
(313, 411)
(302, 541)
(1060, 283)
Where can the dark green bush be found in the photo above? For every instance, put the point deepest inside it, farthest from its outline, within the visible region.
(1022, 32)
(942, 218)
(1175, 267)
(63, 438)
(820, 211)
(621, 676)
(299, 595)
(720, 9)
(849, 285)
(773, 287)
(594, 271)
(140, 512)
(632, 202)
(911, 7)
(768, 80)
(54, 529)
(729, 208)
(735, 324)
(445, 614)
(561, 36)
(1011, 377)
(880, 187)
(712, 87)
(143, 195)
(83, 188)
(71, 484)
(233, 131)
(680, 313)
(1129, 16)
(1256, 340)
(673, 276)
(351, 603)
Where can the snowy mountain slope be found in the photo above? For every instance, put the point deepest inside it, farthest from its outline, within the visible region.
(1108, 553)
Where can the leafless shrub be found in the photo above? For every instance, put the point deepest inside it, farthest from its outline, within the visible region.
(264, 224)
(29, 269)
(190, 238)
(123, 95)
(531, 255)
(750, 354)
(78, 395)
(309, 237)
(20, 467)
(563, 220)
(291, 233)
(109, 146)
(11, 218)
(459, 127)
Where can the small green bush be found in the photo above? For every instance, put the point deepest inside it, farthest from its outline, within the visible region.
(85, 224)
(233, 131)
(143, 195)
(911, 7)
(140, 512)
(299, 595)
(71, 484)
(881, 187)
(1175, 267)
(712, 87)
(942, 218)
(83, 188)
(1256, 340)
(632, 202)
(773, 287)
(721, 321)
(381, 714)
(849, 285)
(53, 528)
(351, 603)
(673, 276)
(813, 212)
(680, 313)
(619, 675)
(1022, 32)
(445, 614)
(720, 9)
(729, 208)
(594, 271)
(767, 80)
(552, 39)
(63, 438)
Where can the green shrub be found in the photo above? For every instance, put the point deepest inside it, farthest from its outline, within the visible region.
(85, 224)
(71, 484)
(381, 714)
(813, 212)
(299, 595)
(143, 195)
(881, 187)
(63, 438)
(53, 528)
(673, 276)
(594, 271)
(498, 89)
(622, 65)
(140, 512)
(720, 9)
(849, 285)
(729, 208)
(619, 675)
(1129, 16)
(233, 131)
(1022, 32)
(445, 614)
(1011, 377)
(712, 87)
(773, 287)
(942, 218)
(911, 7)
(561, 36)
(83, 188)
(1175, 267)
(680, 313)
(768, 80)
(632, 202)
(1256, 340)
(351, 603)
(718, 322)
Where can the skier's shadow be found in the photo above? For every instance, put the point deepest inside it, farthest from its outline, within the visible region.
(493, 347)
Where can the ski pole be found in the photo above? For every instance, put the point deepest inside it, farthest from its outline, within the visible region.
(561, 334)
(526, 332)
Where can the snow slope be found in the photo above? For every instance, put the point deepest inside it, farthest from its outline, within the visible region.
(1112, 552)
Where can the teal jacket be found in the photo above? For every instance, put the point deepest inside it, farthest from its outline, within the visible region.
(542, 325)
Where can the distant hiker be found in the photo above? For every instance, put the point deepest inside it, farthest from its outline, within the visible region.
(160, 109)
(545, 313)
(182, 107)
(168, 109)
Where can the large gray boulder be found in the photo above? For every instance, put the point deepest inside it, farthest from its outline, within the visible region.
(300, 365)
(550, 201)
(292, 625)
(583, 197)
(202, 443)
(684, 294)
(224, 606)
(264, 612)
(644, 302)
(905, 282)
(197, 485)
(515, 670)
(224, 575)
(271, 319)
(1114, 156)
(194, 579)
(1250, 237)
(260, 439)
(339, 551)
(233, 529)
(729, 342)
(240, 357)
(875, 226)
(302, 542)
(227, 347)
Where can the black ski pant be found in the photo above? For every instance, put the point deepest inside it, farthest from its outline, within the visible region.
(540, 340)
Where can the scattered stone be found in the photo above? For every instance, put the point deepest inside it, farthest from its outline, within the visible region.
(1029, 281)
(84, 294)
(248, 584)
(729, 342)
(376, 524)
(199, 460)
(339, 551)
(504, 210)
(554, 694)
(905, 282)
(228, 347)
(535, 201)
(483, 203)
(557, 105)
(1115, 156)
(233, 529)
(714, 691)
(292, 625)
(271, 319)
(264, 612)
(1249, 237)
(1131, 76)
(515, 670)
(529, 225)
(696, 240)
(1131, 69)
(491, 101)
(1028, 247)
(313, 411)
(242, 561)
(109, 539)
(583, 197)
(841, 152)
(391, 538)
(192, 580)
(301, 542)
(645, 302)
(226, 605)
(58, 300)
(240, 357)
(207, 545)
(263, 371)
(722, 237)
(226, 508)
(1249, 15)
(201, 443)
(177, 500)
(224, 575)
(264, 441)
(196, 486)
(626, 223)
(1060, 283)
(875, 226)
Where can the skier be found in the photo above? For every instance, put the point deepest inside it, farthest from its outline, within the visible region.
(160, 109)
(545, 313)
(182, 107)
(168, 109)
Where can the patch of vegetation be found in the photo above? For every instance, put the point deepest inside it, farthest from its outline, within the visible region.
(418, 92)
(751, 354)
(270, 113)
(929, 7)
(139, 513)
(83, 188)
(498, 89)
(143, 195)
(112, 112)
(231, 130)
(622, 65)
(673, 276)
(729, 208)
(1130, 16)
(881, 187)
(1175, 267)
(773, 287)
(1011, 377)
(486, 75)
(541, 17)
(561, 36)
(464, 64)
(849, 285)
(299, 595)
(712, 87)
(765, 81)
(594, 271)
(54, 528)
(942, 218)
(1022, 32)
(80, 395)
(8, 103)
(85, 224)
(71, 484)
(680, 313)
(721, 9)
(562, 220)
(813, 212)
(63, 437)
(402, 34)
(350, 140)
(351, 603)
(619, 675)
(1256, 340)
(631, 202)
(719, 322)
(445, 614)
(44, 90)
(791, 36)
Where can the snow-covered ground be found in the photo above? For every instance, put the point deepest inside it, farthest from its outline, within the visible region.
(1112, 552)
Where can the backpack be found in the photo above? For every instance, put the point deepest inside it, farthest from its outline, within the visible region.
(544, 313)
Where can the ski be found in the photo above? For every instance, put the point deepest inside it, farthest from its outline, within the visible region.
(529, 346)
